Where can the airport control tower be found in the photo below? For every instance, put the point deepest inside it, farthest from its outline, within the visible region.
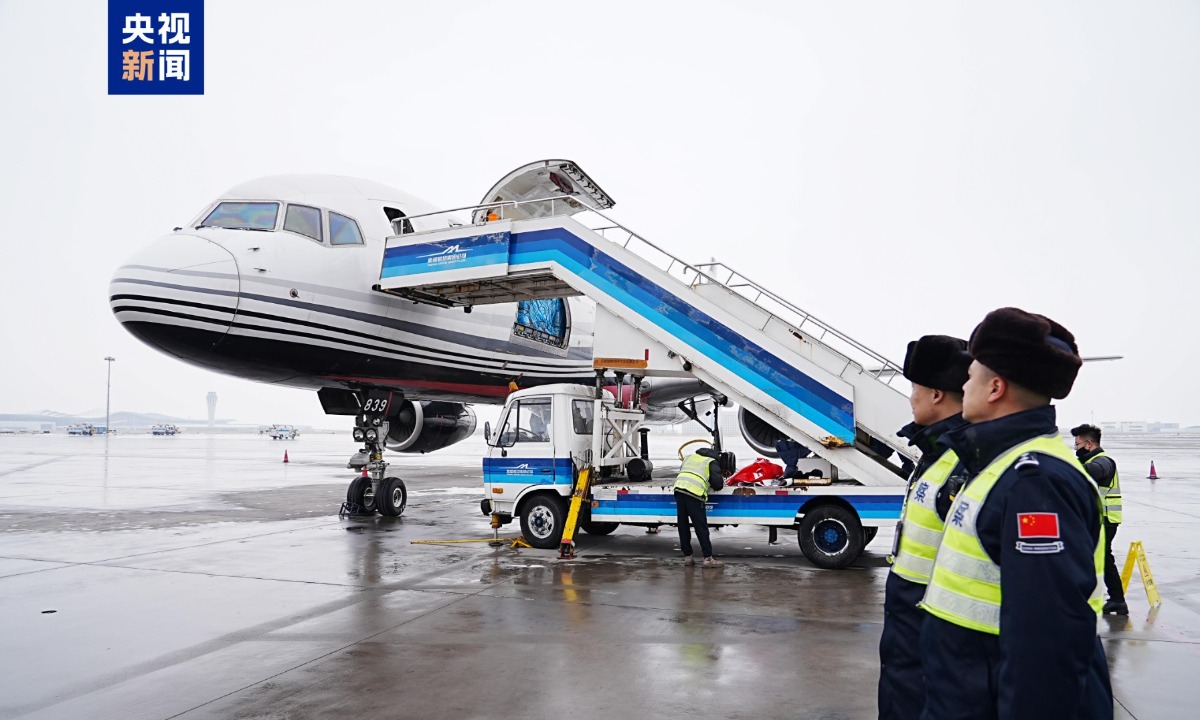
(212, 409)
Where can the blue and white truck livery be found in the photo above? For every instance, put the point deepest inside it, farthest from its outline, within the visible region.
(546, 435)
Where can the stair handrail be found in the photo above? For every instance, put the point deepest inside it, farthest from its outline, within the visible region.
(886, 366)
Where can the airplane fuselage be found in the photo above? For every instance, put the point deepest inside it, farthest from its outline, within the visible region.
(281, 306)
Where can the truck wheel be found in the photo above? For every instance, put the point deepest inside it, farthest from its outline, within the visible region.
(361, 494)
(542, 521)
(596, 527)
(869, 533)
(393, 496)
(599, 528)
(831, 536)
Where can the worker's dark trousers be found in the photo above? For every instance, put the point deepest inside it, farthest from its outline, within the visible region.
(691, 507)
(1112, 576)
(901, 680)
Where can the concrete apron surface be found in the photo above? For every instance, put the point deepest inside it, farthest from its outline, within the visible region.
(198, 576)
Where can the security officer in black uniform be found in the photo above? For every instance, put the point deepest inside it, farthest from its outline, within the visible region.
(1103, 470)
(936, 365)
(1016, 587)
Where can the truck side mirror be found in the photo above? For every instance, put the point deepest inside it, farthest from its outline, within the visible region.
(487, 432)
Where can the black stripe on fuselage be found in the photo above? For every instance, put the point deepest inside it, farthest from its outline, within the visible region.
(462, 357)
(281, 361)
(582, 355)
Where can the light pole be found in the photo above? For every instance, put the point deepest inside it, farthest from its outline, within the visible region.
(108, 395)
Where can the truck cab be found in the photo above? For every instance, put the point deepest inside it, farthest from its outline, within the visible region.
(542, 439)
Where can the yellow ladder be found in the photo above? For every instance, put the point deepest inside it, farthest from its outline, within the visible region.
(583, 483)
(1137, 554)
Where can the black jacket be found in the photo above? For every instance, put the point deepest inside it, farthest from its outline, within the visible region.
(1047, 663)
(1102, 469)
(716, 479)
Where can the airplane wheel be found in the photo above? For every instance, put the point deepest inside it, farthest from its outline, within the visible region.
(542, 521)
(392, 498)
(361, 493)
(831, 537)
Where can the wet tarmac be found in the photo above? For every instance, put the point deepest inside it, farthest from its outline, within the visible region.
(200, 577)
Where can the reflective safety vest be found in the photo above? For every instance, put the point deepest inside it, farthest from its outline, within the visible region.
(693, 476)
(919, 531)
(1111, 495)
(965, 586)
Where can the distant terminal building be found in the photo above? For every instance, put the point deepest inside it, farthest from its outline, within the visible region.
(26, 426)
(122, 422)
(1139, 426)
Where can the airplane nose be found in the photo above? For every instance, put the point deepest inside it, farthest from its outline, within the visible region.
(179, 295)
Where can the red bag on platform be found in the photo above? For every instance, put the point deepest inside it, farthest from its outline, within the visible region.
(756, 473)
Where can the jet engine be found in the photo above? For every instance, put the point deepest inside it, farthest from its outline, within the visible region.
(760, 434)
(422, 427)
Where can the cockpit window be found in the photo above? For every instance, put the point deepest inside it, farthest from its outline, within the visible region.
(243, 216)
(303, 220)
(343, 230)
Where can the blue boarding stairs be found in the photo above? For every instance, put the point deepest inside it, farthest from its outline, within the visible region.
(541, 233)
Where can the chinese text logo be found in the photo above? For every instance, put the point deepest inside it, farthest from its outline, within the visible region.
(156, 47)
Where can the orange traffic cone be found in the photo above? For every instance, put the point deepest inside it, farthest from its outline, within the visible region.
(285, 456)
(1153, 473)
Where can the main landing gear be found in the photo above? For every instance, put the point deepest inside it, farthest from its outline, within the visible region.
(373, 491)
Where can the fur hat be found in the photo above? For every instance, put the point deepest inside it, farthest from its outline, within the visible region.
(1030, 350)
(937, 361)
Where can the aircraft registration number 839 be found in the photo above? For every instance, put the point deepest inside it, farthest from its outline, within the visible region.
(375, 405)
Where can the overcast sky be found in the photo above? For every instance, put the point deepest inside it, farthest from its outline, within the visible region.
(897, 169)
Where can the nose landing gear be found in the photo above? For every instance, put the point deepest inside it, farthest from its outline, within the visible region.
(372, 492)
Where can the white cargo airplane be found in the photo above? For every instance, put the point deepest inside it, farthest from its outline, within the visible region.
(273, 282)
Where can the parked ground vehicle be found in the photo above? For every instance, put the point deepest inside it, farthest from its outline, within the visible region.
(282, 432)
(546, 435)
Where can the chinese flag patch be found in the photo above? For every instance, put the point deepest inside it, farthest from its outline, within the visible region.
(1037, 525)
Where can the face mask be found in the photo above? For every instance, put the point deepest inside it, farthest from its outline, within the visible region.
(1081, 452)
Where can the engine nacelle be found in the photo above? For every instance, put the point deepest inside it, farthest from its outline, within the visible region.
(422, 427)
(760, 434)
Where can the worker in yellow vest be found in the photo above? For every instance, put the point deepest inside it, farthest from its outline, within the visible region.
(936, 365)
(701, 472)
(1016, 586)
(1103, 470)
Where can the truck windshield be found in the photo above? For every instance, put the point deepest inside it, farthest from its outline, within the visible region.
(528, 421)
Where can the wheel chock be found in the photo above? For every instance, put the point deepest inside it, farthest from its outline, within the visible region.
(350, 509)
